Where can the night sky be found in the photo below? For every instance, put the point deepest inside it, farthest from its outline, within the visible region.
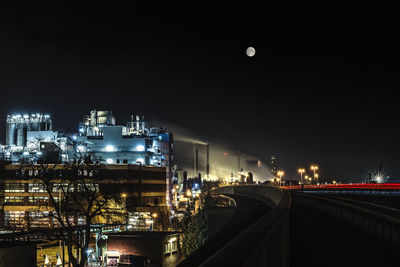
(320, 89)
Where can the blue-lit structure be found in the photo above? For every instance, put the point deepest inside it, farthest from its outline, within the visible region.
(135, 143)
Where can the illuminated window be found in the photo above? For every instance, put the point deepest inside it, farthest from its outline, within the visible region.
(14, 199)
(171, 246)
(14, 188)
(14, 218)
(36, 188)
(39, 199)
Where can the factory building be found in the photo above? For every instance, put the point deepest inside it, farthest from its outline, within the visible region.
(136, 143)
(18, 126)
(29, 136)
(134, 149)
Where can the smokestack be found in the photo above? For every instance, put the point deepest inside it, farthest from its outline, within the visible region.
(184, 181)
(194, 160)
(208, 162)
(197, 160)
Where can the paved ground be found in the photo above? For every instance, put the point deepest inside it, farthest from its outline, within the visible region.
(319, 240)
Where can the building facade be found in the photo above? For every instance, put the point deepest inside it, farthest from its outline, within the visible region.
(24, 202)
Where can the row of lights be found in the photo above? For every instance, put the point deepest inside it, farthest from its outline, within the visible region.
(26, 116)
(314, 168)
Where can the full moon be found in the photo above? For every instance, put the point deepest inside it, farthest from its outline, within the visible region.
(250, 51)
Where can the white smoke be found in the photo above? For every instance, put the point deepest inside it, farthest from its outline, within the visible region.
(221, 166)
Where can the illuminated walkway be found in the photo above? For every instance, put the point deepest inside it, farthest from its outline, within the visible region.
(317, 239)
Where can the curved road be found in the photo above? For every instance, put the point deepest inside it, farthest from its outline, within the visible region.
(247, 212)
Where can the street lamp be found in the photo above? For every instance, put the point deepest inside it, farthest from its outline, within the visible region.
(301, 171)
(316, 177)
(154, 215)
(314, 168)
(124, 195)
(280, 174)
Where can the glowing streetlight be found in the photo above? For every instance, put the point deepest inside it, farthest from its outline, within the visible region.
(124, 195)
(280, 174)
(301, 171)
(314, 168)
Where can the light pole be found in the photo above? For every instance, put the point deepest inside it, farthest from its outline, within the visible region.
(154, 215)
(316, 177)
(124, 195)
(280, 174)
(301, 171)
(314, 168)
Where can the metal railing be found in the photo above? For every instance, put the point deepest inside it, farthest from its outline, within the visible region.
(368, 217)
(266, 241)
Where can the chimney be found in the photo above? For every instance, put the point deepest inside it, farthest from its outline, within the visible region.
(208, 162)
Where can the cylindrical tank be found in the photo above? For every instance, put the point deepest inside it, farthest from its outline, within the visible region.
(10, 132)
(20, 134)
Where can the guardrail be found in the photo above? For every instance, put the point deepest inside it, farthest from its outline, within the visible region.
(266, 241)
(383, 226)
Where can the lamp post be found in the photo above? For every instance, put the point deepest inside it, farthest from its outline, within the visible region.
(301, 171)
(314, 168)
(280, 174)
(154, 215)
(124, 195)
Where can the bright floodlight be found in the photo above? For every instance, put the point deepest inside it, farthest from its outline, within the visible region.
(109, 161)
(139, 148)
(109, 148)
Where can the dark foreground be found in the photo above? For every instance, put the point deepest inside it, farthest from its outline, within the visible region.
(317, 239)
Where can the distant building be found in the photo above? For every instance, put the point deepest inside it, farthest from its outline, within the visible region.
(273, 166)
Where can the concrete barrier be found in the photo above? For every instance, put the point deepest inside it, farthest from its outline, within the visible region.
(383, 226)
(266, 241)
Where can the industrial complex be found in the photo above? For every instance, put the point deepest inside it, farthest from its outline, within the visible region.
(137, 160)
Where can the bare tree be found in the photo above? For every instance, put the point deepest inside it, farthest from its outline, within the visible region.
(76, 200)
